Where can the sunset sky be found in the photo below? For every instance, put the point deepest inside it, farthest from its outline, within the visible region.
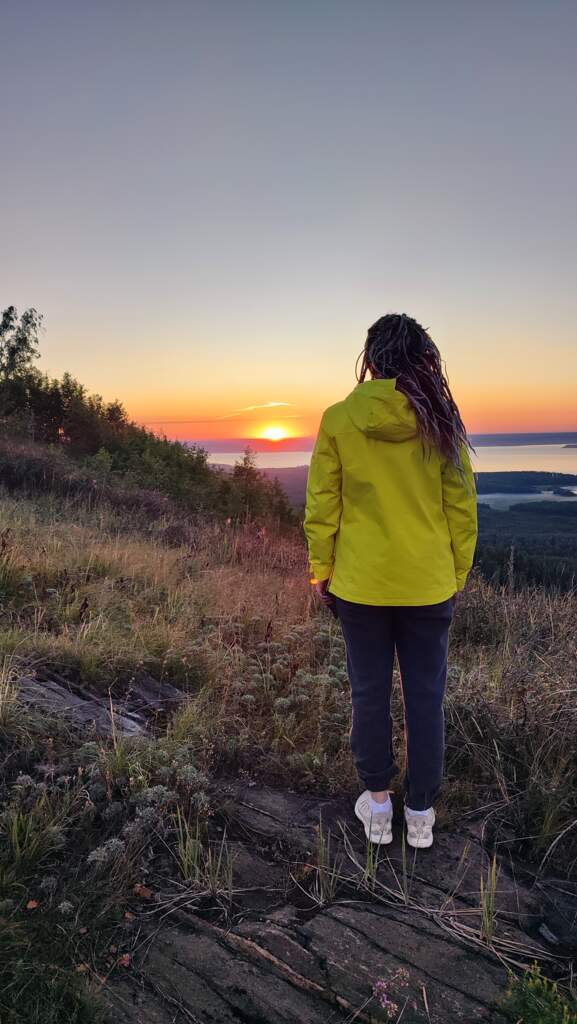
(211, 201)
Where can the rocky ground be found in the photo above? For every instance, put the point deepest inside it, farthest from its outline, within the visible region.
(307, 928)
(315, 936)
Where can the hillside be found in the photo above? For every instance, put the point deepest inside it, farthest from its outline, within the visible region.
(57, 436)
(533, 542)
(294, 482)
(196, 854)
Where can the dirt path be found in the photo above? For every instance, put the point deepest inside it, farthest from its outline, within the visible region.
(302, 945)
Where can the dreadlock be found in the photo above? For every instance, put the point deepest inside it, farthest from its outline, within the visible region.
(397, 346)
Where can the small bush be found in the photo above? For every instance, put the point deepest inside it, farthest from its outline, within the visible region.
(533, 999)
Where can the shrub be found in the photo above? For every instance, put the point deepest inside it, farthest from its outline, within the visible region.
(533, 999)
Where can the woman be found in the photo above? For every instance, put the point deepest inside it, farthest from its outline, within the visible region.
(391, 526)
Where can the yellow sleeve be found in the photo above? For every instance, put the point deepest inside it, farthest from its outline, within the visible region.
(460, 507)
(323, 504)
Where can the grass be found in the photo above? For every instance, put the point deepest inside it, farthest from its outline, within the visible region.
(204, 865)
(327, 869)
(84, 595)
(188, 848)
(43, 899)
(225, 613)
(488, 900)
(9, 707)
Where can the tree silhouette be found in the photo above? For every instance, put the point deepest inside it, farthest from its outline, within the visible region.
(18, 341)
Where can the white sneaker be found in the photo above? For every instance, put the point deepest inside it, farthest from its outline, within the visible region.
(420, 828)
(378, 826)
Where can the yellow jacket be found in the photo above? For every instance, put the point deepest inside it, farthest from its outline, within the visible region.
(385, 522)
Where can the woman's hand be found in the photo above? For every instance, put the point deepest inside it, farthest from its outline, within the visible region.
(321, 590)
(324, 595)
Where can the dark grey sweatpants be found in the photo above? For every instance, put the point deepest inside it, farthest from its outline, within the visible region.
(420, 636)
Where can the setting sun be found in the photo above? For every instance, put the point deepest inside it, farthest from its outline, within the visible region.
(274, 433)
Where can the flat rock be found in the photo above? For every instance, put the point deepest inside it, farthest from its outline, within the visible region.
(145, 698)
(147, 694)
(283, 960)
(90, 712)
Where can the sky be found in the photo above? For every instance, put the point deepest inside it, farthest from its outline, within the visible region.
(210, 202)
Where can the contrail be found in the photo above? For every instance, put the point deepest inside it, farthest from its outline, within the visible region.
(236, 412)
(251, 408)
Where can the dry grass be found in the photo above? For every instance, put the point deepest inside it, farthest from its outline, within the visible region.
(81, 592)
(227, 613)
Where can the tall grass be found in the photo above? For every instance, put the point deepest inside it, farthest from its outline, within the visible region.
(229, 616)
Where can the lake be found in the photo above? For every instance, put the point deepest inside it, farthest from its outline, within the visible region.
(488, 458)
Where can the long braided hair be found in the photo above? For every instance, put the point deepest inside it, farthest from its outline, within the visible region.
(397, 346)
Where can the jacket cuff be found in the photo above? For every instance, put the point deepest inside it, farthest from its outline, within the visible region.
(461, 578)
(320, 572)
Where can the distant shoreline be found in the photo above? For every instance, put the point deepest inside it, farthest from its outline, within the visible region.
(565, 438)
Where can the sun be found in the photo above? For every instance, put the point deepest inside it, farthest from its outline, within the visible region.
(274, 433)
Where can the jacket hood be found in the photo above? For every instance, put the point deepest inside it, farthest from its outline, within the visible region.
(380, 411)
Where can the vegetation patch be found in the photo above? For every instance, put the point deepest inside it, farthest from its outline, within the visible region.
(534, 999)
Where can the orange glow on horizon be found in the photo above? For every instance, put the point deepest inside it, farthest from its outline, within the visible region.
(488, 410)
(274, 432)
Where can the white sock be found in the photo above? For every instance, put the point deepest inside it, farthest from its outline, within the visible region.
(418, 812)
(380, 808)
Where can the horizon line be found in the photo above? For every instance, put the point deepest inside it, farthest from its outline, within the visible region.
(308, 437)
(305, 443)
(474, 433)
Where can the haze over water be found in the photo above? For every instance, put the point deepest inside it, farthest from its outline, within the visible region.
(556, 458)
